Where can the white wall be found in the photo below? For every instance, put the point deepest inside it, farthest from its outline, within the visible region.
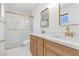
(54, 19)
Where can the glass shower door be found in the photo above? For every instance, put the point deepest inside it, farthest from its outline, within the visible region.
(17, 30)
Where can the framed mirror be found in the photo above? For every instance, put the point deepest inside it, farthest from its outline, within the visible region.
(44, 18)
(68, 14)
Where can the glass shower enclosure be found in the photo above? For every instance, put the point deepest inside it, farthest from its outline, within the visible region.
(18, 28)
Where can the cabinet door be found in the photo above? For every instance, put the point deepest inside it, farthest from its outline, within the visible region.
(48, 52)
(33, 45)
(40, 46)
(60, 49)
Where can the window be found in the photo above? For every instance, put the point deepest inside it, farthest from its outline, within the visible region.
(64, 19)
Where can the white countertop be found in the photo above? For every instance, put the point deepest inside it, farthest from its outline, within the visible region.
(73, 43)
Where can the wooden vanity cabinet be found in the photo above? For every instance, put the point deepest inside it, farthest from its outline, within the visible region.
(43, 47)
(36, 45)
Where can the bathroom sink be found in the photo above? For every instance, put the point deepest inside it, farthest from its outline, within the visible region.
(57, 36)
(61, 36)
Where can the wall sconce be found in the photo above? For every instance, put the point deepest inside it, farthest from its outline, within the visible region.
(2, 9)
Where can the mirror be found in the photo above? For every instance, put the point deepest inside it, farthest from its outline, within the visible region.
(44, 18)
(68, 14)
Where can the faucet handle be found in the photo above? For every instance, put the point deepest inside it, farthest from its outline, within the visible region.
(72, 34)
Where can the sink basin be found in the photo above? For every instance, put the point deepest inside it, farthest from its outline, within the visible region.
(63, 37)
(57, 36)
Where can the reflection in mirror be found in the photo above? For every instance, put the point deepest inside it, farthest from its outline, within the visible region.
(68, 14)
(45, 18)
(44, 23)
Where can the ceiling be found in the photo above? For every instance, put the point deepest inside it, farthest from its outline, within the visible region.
(22, 7)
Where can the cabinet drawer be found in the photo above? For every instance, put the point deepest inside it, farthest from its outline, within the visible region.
(60, 49)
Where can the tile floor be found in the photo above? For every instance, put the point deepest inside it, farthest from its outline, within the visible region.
(19, 51)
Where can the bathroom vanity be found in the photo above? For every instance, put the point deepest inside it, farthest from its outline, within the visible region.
(44, 45)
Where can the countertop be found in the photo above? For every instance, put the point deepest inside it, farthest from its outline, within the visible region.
(73, 42)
